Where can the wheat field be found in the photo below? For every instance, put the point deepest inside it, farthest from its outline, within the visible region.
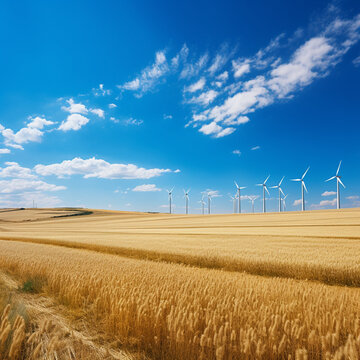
(160, 285)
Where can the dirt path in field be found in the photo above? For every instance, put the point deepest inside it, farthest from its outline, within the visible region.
(72, 324)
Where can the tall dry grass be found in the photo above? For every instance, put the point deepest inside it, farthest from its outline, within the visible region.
(178, 312)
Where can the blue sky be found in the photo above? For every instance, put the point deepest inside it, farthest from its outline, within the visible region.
(107, 104)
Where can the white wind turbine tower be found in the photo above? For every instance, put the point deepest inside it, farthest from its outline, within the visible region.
(280, 191)
(170, 198)
(239, 196)
(252, 199)
(338, 180)
(303, 187)
(186, 195)
(264, 188)
(202, 202)
(283, 202)
(234, 198)
(209, 202)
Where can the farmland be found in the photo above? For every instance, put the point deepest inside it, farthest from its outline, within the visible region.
(272, 286)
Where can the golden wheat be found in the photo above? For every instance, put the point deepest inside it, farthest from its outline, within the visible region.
(318, 245)
(178, 312)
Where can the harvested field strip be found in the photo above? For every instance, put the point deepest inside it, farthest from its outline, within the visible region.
(177, 312)
(343, 274)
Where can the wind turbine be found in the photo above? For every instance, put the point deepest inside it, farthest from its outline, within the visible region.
(186, 195)
(209, 202)
(170, 198)
(280, 191)
(202, 202)
(252, 199)
(234, 198)
(283, 202)
(264, 188)
(303, 186)
(338, 180)
(239, 197)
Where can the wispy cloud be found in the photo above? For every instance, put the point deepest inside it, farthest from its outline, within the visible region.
(98, 168)
(196, 86)
(98, 112)
(146, 188)
(149, 77)
(236, 152)
(328, 193)
(297, 202)
(257, 147)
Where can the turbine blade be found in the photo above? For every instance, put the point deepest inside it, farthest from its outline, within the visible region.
(242, 187)
(258, 184)
(236, 184)
(266, 179)
(303, 182)
(266, 189)
(172, 189)
(295, 179)
(281, 191)
(305, 173)
(341, 183)
(338, 169)
(333, 177)
(281, 180)
(274, 187)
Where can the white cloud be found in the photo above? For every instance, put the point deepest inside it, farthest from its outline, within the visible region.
(168, 116)
(101, 91)
(328, 193)
(257, 147)
(199, 85)
(146, 188)
(31, 133)
(354, 197)
(98, 112)
(112, 106)
(73, 122)
(328, 202)
(73, 107)
(219, 61)
(215, 130)
(150, 76)
(38, 123)
(223, 76)
(297, 202)
(14, 170)
(238, 121)
(19, 185)
(212, 193)
(205, 98)
(356, 61)
(240, 68)
(236, 152)
(193, 68)
(310, 61)
(132, 121)
(98, 168)
(279, 79)
(25, 199)
(5, 151)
